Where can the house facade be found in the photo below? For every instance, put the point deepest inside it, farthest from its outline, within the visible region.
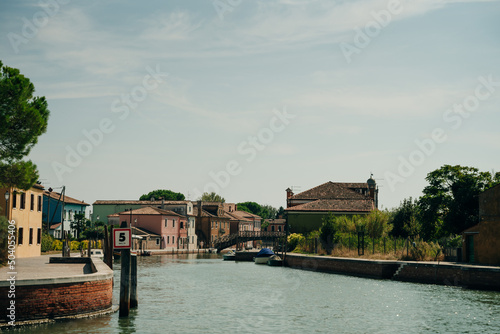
(25, 207)
(59, 212)
(170, 226)
(481, 243)
(305, 211)
(211, 222)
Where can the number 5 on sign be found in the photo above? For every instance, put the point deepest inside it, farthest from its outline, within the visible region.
(122, 238)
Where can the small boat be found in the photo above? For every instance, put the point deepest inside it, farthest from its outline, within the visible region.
(275, 261)
(229, 256)
(144, 253)
(262, 256)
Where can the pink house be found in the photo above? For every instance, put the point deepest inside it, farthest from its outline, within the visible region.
(171, 226)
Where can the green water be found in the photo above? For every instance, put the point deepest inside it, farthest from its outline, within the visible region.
(191, 294)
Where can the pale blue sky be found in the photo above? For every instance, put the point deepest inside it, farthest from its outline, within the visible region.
(232, 69)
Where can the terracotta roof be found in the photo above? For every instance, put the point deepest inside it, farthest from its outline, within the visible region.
(149, 210)
(338, 205)
(55, 226)
(128, 202)
(243, 215)
(142, 231)
(67, 199)
(333, 190)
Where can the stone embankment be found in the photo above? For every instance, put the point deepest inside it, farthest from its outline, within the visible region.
(443, 273)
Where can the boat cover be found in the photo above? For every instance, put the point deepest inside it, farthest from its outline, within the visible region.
(264, 252)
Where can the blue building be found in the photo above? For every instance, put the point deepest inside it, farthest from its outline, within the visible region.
(62, 212)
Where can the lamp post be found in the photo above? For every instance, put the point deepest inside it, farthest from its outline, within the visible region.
(7, 196)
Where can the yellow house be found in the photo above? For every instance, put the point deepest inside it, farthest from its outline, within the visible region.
(25, 208)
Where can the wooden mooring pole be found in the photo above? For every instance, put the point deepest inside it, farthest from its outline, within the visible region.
(125, 283)
(133, 281)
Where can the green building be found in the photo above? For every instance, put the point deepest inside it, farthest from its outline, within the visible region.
(305, 211)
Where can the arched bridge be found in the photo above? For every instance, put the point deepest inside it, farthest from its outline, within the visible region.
(243, 236)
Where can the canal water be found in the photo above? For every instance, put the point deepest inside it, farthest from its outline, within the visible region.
(203, 294)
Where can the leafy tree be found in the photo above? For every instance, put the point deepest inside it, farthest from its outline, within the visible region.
(281, 212)
(450, 202)
(167, 195)
(328, 233)
(211, 197)
(79, 224)
(23, 118)
(268, 212)
(377, 224)
(405, 219)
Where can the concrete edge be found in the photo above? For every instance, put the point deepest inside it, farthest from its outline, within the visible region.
(112, 309)
(103, 273)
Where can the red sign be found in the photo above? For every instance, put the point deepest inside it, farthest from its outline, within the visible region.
(122, 238)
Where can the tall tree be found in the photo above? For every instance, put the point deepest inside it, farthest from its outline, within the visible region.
(450, 202)
(167, 195)
(23, 118)
(406, 219)
(211, 197)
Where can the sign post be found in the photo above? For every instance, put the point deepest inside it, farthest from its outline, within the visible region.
(122, 239)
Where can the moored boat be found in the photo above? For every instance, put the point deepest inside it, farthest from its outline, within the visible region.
(229, 256)
(275, 261)
(263, 255)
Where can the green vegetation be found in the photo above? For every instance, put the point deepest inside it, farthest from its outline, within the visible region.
(211, 197)
(263, 211)
(4, 224)
(23, 118)
(167, 195)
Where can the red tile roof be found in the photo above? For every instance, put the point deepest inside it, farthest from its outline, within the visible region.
(333, 190)
(129, 202)
(337, 205)
(149, 210)
(67, 199)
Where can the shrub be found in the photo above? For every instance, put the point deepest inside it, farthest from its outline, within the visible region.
(47, 242)
(423, 251)
(57, 245)
(293, 241)
(4, 225)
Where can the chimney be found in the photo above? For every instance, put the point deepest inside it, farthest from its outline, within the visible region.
(289, 194)
(372, 187)
(163, 203)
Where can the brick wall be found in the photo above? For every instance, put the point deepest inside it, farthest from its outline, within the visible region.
(58, 300)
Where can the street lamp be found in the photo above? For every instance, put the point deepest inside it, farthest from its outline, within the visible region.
(7, 196)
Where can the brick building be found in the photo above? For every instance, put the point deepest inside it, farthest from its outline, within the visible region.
(482, 241)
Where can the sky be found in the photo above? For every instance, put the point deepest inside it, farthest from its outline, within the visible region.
(248, 98)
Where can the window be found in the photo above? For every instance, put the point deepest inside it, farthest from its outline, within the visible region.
(39, 206)
(192, 239)
(14, 200)
(20, 235)
(39, 236)
(31, 236)
(168, 239)
(189, 209)
(173, 224)
(157, 241)
(182, 224)
(272, 228)
(23, 201)
(166, 222)
(32, 203)
(173, 239)
(279, 228)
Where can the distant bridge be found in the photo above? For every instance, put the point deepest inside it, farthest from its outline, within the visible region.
(244, 236)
